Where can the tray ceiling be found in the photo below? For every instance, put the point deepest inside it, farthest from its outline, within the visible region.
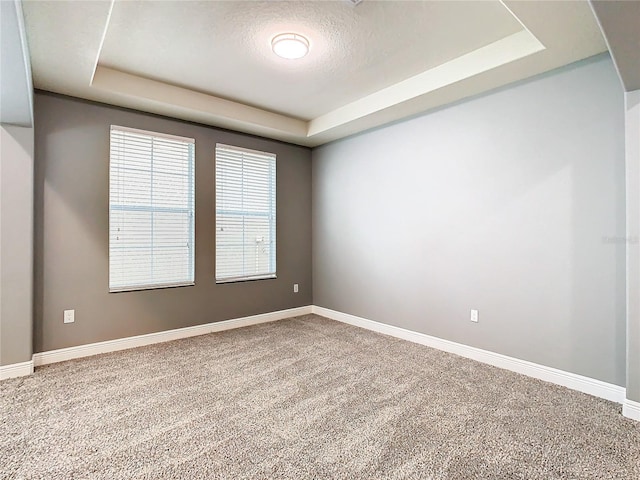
(370, 64)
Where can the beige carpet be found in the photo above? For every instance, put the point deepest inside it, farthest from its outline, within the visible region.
(304, 398)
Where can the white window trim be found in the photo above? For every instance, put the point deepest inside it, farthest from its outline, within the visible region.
(273, 253)
(155, 286)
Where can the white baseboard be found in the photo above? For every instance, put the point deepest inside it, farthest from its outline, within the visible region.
(580, 383)
(16, 370)
(574, 381)
(70, 353)
(631, 409)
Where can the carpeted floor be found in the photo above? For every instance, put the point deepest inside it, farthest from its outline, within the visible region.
(304, 398)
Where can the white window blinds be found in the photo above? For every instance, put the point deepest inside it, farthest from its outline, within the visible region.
(151, 210)
(245, 214)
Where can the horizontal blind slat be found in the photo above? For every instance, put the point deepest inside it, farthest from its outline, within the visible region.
(151, 209)
(245, 214)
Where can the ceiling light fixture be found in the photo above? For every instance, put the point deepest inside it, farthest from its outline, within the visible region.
(290, 45)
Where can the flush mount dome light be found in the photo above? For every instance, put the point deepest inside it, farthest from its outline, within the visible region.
(290, 45)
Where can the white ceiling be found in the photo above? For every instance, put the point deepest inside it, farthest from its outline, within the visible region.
(369, 64)
(234, 58)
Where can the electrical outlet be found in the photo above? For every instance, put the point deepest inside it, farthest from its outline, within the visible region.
(474, 316)
(69, 316)
(295, 288)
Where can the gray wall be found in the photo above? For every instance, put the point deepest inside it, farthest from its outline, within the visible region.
(512, 203)
(16, 243)
(632, 125)
(71, 231)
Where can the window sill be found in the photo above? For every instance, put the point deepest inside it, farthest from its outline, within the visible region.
(150, 287)
(245, 279)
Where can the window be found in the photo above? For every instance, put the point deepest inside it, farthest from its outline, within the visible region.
(151, 210)
(245, 214)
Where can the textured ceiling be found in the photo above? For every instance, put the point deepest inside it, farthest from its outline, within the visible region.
(369, 64)
(354, 51)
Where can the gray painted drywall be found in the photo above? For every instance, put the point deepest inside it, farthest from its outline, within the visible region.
(16, 244)
(71, 261)
(632, 134)
(619, 22)
(512, 203)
